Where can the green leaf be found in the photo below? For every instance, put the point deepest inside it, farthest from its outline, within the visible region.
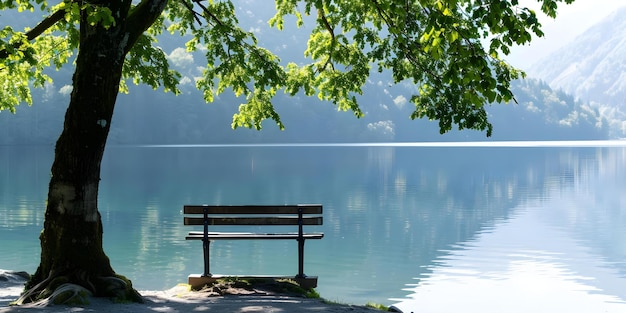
(436, 45)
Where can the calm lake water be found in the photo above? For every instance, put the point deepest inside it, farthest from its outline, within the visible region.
(519, 227)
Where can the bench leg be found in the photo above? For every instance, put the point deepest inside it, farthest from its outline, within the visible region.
(207, 267)
(301, 258)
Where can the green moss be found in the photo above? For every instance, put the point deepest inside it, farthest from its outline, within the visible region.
(57, 282)
(126, 294)
(377, 306)
(70, 294)
(312, 294)
(372, 305)
(286, 286)
(291, 286)
(72, 298)
(62, 297)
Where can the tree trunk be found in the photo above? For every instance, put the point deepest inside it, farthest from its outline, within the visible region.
(71, 241)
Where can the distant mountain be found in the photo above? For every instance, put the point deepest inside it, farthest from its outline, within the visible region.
(593, 68)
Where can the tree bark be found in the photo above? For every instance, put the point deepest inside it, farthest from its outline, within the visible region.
(72, 257)
(71, 241)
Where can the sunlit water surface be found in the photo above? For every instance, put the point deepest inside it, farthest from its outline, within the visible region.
(508, 227)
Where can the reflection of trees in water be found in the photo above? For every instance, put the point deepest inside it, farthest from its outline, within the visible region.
(428, 199)
(592, 208)
(407, 203)
(381, 203)
(24, 177)
(444, 194)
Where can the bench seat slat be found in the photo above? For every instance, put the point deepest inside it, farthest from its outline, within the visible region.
(253, 209)
(241, 236)
(254, 220)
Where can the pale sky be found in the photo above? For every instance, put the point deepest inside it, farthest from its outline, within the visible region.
(571, 21)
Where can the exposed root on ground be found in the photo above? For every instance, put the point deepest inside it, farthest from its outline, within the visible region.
(76, 287)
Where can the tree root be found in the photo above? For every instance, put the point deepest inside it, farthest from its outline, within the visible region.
(76, 288)
(120, 289)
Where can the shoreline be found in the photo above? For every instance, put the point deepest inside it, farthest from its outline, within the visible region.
(181, 299)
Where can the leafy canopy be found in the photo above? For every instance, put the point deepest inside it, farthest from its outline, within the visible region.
(452, 50)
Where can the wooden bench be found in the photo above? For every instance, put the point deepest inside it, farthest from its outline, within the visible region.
(209, 216)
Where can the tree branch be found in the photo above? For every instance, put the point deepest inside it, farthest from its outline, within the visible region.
(141, 18)
(329, 61)
(207, 11)
(193, 12)
(37, 30)
(45, 24)
(396, 32)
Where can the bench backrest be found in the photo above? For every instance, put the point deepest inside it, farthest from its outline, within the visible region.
(301, 214)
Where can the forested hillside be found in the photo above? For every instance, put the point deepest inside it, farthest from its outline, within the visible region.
(593, 68)
(146, 116)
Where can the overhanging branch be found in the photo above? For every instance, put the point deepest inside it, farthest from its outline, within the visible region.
(329, 60)
(45, 24)
(38, 30)
(141, 17)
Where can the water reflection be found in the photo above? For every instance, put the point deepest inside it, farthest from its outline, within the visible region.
(561, 252)
(512, 269)
(390, 213)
